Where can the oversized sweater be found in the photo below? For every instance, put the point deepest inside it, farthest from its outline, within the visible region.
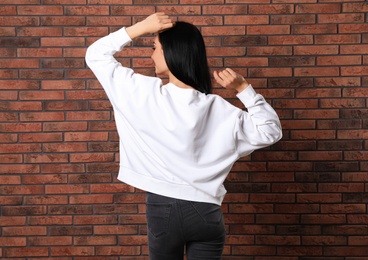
(178, 142)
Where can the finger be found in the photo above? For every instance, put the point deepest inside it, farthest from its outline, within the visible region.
(231, 72)
(217, 78)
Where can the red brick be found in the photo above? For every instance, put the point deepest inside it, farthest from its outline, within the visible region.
(95, 240)
(270, 29)
(314, 29)
(355, 7)
(62, 20)
(72, 251)
(118, 250)
(337, 39)
(25, 251)
(223, 30)
(19, 63)
(92, 199)
(42, 116)
(324, 240)
(50, 241)
(317, 8)
(294, 19)
(108, 21)
(287, 40)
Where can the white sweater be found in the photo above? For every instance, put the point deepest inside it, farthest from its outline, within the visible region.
(178, 142)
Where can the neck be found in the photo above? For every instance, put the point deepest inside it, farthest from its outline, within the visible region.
(178, 83)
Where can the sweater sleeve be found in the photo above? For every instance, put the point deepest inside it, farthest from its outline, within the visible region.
(257, 128)
(114, 78)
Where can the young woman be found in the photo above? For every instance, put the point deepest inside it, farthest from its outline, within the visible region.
(178, 142)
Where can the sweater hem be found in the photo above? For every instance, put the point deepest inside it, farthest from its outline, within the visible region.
(173, 190)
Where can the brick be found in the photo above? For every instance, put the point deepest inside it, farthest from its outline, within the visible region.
(62, 168)
(247, 19)
(225, 9)
(41, 74)
(223, 30)
(62, 21)
(91, 199)
(89, 136)
(24, 211)
(315, 50)
(70, 230)
(65, 147)
(118, 250)
(62, 63)
(271, 9)
(287, 40)
(72, 251)
(355, 7)
(19, 63)
(345, 230)
(42, 116)
(341, 18)
(101, 220)
(314, 29)
(45, 200)
(20, 84)
(337, 39)
(294, 19)
(95, 240)
(18, 21)
(66, 189)
(270, 29)
(87, 116)
(346, 251)
(327, 71)
(25, 251)
(343, 208)
(253, 250)
(10, 221)
(353, 49)
(324, 240)
(20, 148)
(21, 127)
(337, 81)
(291, 61)
(50, 220)
(317, 8)
(40, 10)
(120, 230)
(147, 10)
(50, 241)
(62, 42)
(350, 103)
(269, 51)
(108, 21)
(65, 126)
(39, 32)
(338, 60)
(270, 72)
(65, 210)
(316, 93)
(46, 158)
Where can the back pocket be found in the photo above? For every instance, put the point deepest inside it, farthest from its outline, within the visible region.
(158, 217)
(210, 213)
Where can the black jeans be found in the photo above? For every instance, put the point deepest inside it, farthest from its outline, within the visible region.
(174, 224)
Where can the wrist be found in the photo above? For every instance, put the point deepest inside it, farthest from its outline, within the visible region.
(242, 87)
(135, 30)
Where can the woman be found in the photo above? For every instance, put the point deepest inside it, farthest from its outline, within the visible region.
(178, 142)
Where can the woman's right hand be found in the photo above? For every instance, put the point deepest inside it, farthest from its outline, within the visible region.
(152, 24)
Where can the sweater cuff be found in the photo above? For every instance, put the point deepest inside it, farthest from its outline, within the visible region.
(247, 96)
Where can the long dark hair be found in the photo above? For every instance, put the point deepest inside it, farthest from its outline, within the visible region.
(185, 55)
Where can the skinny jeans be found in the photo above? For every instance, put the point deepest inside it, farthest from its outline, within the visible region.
(176, 226)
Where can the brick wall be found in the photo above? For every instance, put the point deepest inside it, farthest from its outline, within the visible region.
(303, 198)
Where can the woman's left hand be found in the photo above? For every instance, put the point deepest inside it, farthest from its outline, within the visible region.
(231, 80)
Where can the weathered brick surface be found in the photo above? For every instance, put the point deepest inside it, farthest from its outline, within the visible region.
(303, 198)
